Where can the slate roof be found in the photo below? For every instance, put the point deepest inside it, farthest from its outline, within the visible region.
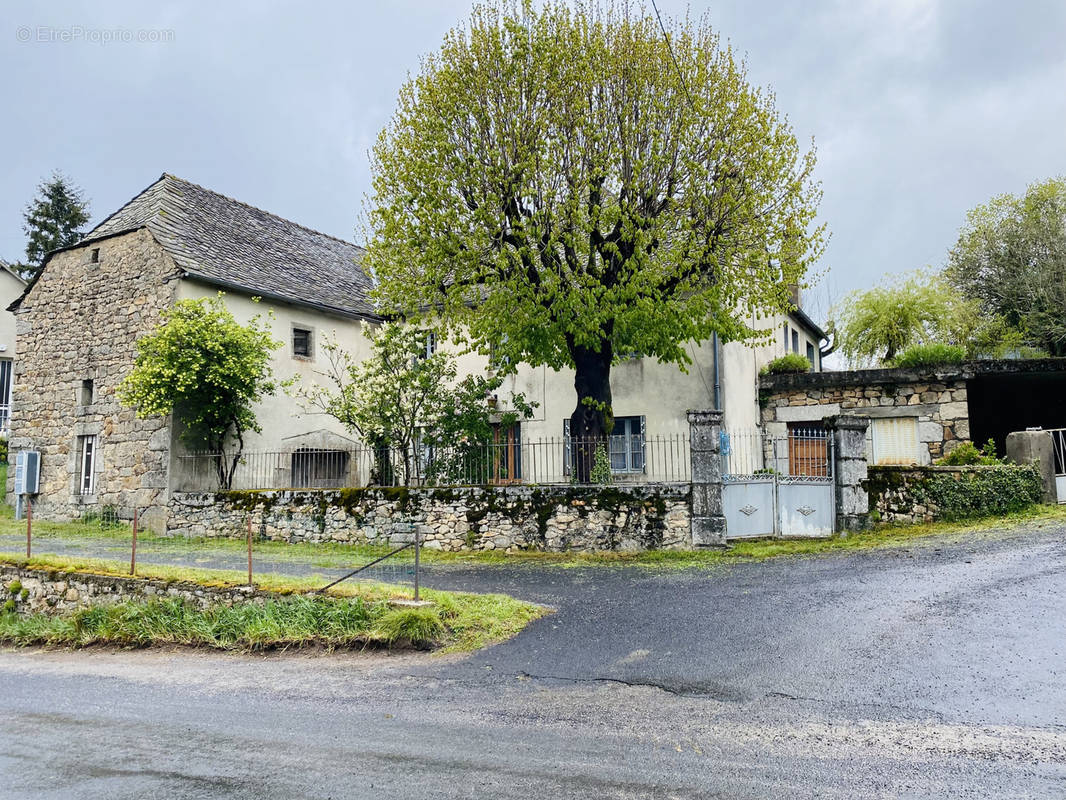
(234, 245)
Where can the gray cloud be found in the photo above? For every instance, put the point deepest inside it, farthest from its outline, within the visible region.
(919, 110)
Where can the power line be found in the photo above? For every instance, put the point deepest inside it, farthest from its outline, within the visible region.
(670, 49)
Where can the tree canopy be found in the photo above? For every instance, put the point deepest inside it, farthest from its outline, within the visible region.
(53, 219)
(875, 326)
(208, 370)
(565, 185)
(1011, 260)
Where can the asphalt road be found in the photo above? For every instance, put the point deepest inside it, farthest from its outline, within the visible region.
(932, 671)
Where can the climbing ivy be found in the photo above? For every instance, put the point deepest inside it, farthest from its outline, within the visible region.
(957, 494)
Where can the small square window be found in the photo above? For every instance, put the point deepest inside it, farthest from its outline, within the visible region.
(301, 343)
(85, 394)
(94, 256)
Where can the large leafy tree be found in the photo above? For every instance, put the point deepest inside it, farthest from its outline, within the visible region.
(208, 370)
(406, 396)
(1011, 259)
(53, 219)
(565, 185)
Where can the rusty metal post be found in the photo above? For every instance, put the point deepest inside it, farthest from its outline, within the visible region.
(250, 550)
(29, 524)
(418, 546)
(133, 551)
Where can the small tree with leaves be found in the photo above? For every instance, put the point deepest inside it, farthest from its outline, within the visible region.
(52, 219)
(209, 371)
(402, 398)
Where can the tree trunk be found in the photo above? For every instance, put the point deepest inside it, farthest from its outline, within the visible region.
(591, 422)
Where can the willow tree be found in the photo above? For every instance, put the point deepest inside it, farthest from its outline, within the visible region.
(565, 186)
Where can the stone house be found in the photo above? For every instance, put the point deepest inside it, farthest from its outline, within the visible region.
(79, 323)
(919, 415)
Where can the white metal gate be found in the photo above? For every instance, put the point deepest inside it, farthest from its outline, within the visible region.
(778, 486)
(1058, 438)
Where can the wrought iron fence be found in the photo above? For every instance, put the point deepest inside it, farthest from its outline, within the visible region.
(626, 459)
(801, 452)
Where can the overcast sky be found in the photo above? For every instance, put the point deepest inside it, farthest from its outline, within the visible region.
(919, 110)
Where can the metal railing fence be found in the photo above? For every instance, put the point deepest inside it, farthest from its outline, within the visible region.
(801, 452)
(118, 534)
(1058, 442)
(627, 459)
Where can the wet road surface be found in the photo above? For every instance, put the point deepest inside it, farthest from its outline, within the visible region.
(937, 670)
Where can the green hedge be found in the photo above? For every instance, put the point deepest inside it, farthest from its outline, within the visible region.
(930, 355)
(958, 494)
(790, 363)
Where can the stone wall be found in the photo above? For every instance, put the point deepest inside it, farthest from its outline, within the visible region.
(906, 495)
(646, 517)
(54, 591)
(80, 322)
(937, 398)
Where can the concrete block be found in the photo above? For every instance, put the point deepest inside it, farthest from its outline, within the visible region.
(930, 432)
(807, 413)
(1035, 447)
(954, 410)
(708, 532)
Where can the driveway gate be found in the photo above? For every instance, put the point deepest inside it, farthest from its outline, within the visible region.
(1058, 438)
(778, 485)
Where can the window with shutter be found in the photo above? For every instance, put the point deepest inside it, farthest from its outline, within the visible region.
(895, 440)
(625, 445)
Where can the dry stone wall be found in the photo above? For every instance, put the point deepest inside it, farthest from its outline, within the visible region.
(80, 323)
(909, 495)
(937, 399)
(646, 517)
(54, 591)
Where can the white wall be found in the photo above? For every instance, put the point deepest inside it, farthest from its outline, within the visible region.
(285, 424)
(11, 289)
(661, 393)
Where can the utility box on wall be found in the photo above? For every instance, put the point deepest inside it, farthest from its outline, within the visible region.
(27, 472)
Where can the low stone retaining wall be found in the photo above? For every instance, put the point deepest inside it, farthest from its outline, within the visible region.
(926, 494)
(54, 591)
(645, 517)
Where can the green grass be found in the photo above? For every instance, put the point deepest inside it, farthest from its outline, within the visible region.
(347, 616)
(332, 555)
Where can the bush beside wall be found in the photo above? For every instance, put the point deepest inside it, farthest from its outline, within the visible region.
(927, 494)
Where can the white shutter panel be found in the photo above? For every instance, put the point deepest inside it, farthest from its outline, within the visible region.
(895, 440)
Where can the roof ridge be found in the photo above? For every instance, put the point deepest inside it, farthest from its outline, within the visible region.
(173, 177)
(122, 207)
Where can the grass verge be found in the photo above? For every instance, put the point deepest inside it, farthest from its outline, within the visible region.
(338, 555)
(348, 616)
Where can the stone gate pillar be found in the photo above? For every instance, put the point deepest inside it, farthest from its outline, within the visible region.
(1037, 448)
(708, 522)
(848, 433)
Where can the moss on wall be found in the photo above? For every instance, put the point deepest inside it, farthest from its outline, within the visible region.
(644, 516)
(930, 493)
